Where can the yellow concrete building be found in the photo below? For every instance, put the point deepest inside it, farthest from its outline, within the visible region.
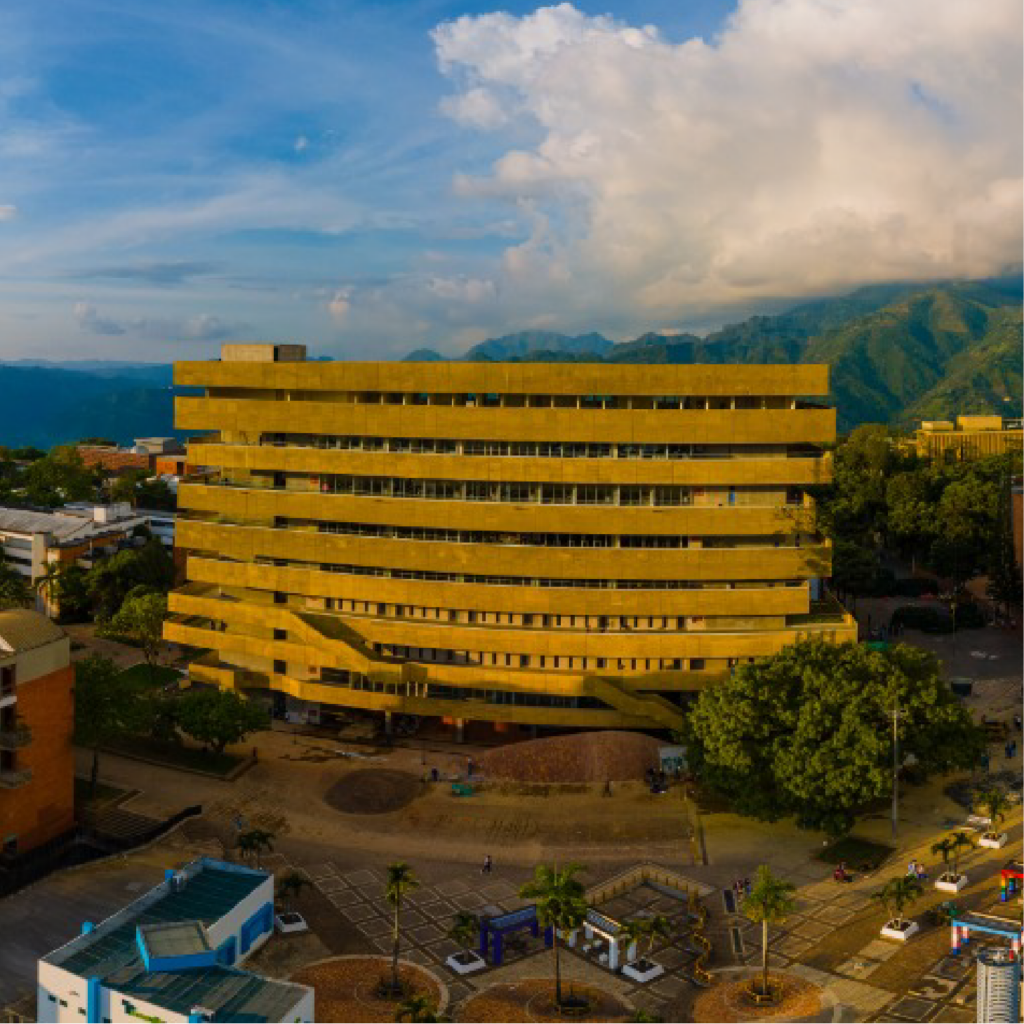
(971, 437)
(513, 544)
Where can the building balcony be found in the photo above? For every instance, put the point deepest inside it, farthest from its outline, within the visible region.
(14, 778)
(18, 736)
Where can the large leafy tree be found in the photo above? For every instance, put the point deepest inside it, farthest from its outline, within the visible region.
(59, 477)
(141, 619)
(561, 906)
(808, 731)
(216, 718)
(15, 589)
(113, 579)
(107, 706)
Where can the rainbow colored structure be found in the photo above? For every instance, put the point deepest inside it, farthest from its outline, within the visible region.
(1010, 880)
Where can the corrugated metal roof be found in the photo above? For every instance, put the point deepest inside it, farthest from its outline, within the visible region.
(22, 629)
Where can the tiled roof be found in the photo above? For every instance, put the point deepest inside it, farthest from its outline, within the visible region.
(23, 630)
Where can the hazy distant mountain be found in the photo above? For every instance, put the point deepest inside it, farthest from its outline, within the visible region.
(424, 355)
(525, 343)
(159, 373)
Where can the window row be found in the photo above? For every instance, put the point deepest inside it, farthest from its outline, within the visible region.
(539, 449)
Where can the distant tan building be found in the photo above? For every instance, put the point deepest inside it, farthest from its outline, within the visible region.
(37, 768)
(971, 437)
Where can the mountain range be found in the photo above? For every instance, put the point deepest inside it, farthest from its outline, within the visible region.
(899, 353)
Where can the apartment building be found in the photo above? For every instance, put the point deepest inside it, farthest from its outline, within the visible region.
(971, 437)
(515, 544)
(37, 768)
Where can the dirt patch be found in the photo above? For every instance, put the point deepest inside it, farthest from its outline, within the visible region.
(584, 757)
(534, 1000)
(729, 1001)
(373, 791)
(346, 989)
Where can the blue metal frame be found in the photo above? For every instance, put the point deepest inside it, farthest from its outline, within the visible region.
(495, 928)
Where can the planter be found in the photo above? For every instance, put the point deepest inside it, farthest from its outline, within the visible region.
(466, 962)
(993, 840)
(643, 970)
(900, 930)
(950, 883)
(290, 923)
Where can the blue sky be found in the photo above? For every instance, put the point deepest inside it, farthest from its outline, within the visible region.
(372, 177)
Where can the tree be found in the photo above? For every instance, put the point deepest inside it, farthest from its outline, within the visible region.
(72, 598)
(59, 477)
(114, 578)
(854, 568)
(807, 732)
(418, 1009)
(125, 486)
(216, 718)
(632, 933)
(98, 442)
(1004, 582)
(561, 906)
(48, 584)
(141, 620)
(107, 706)
(996, 804)
(292, 885)
(255, 841)
(896, 895)
(401, 880)
(657, 927)
(464, 930)
(949, 848)
(15, 591)
(770, 901)
(155, 495)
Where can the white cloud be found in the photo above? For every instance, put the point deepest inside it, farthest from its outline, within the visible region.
(462, 289)
(8, 212)
(301, 144)
(339, 305)
(202, 327)
(811, 146)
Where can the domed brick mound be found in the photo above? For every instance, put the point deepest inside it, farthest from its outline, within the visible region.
(583, 757)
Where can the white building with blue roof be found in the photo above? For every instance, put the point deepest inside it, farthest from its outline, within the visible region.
(172, 955)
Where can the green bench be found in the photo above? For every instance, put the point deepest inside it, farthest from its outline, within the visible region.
(462, 789)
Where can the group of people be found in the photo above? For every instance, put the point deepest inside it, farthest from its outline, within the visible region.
(916, 870)
(841, 874)
(657, 780)
(741, 888)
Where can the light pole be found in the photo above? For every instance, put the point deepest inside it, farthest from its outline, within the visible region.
(896, 716)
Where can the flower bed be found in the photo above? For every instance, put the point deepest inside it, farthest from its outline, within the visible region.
(534, 1000)
(347, 987)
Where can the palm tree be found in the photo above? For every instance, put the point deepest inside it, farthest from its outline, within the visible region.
(898, 894)
(996, 804)
(400, 881)
(292, 885)
(418, 1009)
(658, 927)
(464, 929)
(560, 906)
(961, 841)
(944, 847)
(255, 841)
(47, 585)
(770, 901)
(632, 933)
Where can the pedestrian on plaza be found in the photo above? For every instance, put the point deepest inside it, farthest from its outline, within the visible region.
(1009, 751)
(746, 886)
(1017, 724)
(912, 867)
(608, 788)
(488, 865)
(434, 775)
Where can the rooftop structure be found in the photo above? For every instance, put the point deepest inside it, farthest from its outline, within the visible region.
(515, 544)
(971, 437)
(170, 955)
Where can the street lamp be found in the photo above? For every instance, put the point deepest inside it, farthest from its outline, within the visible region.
(896, 715)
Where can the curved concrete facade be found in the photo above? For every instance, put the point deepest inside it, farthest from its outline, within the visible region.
(538, 544)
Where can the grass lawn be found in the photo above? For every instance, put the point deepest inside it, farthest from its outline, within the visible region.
(162, 675)
(174, 756)
(859, 854)
(104, 793)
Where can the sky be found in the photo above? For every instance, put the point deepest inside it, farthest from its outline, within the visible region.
(373, 177)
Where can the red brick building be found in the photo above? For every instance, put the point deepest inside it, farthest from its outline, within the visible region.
(37, 767)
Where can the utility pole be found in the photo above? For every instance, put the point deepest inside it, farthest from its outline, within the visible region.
(896, 716)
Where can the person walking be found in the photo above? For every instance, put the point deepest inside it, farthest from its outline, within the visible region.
(488, 865)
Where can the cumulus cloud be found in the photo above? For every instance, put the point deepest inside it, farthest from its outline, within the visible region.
(202, 327)
(810, 146)
(339, 305)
